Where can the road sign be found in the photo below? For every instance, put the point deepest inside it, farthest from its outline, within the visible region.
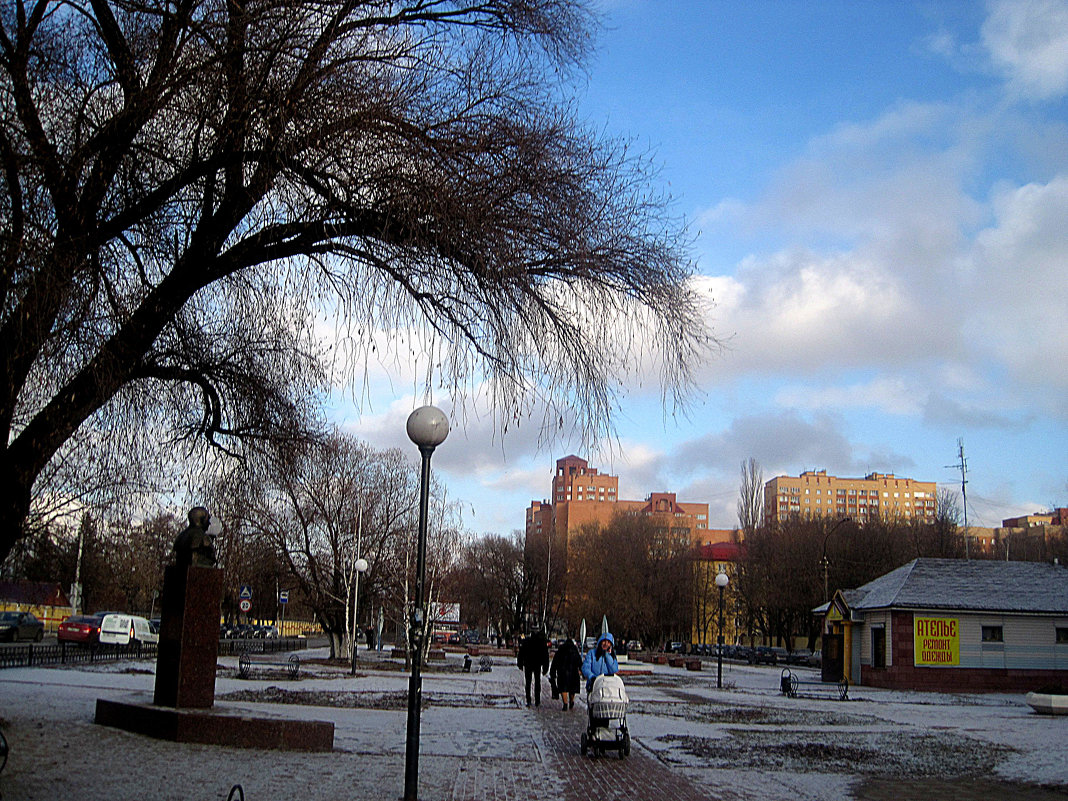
(283, 597)
(246, 592)
(245, 605)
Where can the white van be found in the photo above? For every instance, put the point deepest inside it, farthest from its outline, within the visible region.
(125, 629)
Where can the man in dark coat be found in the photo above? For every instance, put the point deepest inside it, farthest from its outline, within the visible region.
(533, 658)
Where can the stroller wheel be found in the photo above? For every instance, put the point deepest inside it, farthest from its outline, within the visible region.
(584, 744)
(625, 750)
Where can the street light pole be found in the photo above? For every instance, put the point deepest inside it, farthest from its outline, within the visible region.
(722, 580)
(824, 561)
(361, 567)
(427, 428)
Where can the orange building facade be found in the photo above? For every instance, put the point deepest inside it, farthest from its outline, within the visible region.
(582, 495)
(877, 495)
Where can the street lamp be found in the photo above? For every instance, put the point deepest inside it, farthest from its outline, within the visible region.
(825, 563)
(361, 568)
(427, 427)
(722, 580)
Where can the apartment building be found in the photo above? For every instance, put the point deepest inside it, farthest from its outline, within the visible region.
(877, 495)
(582, 494)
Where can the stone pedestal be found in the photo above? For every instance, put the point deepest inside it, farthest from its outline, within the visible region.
(183, 708)
(188, 637)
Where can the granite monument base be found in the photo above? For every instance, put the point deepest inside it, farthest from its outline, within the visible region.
(217, 726)
(188, 637)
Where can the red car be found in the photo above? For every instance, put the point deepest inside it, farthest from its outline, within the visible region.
(83, 629)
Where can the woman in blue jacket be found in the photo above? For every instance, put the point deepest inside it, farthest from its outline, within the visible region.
(600, 660)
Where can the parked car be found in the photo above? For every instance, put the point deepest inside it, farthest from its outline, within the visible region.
(767, 655)
(126, 629)
(80, 629)
(815, 659)
(798, 657)
(20, 626)
(739, 652)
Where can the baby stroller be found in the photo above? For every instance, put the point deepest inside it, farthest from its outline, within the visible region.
(607, 726)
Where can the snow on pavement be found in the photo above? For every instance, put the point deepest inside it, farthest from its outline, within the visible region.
(743, 741)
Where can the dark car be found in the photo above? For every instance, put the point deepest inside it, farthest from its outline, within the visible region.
(766, 655)
(798, 657)
(742, 652)
(80, 629)
(20, 626)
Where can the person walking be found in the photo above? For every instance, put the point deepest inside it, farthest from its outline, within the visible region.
(533, 658)
(565, 672)
(600, 660)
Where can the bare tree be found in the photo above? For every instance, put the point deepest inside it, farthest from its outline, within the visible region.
(321, 508)
(751, 497)
(637, 572)
(187, 187)
(490, 583)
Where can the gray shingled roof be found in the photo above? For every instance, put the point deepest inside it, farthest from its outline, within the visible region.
(968, 584)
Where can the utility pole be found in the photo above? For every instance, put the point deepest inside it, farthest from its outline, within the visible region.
(962, 465)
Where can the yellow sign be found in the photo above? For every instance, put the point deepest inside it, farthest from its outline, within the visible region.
(936, 641)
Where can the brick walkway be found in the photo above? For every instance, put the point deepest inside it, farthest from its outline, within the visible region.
(563, 774)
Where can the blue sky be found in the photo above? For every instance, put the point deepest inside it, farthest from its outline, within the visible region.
(878, 193)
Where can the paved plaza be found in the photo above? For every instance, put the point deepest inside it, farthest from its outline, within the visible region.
(479, 740)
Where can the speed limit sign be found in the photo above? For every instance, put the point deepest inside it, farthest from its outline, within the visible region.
(245, 605)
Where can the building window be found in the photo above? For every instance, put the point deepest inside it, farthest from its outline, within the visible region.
(1062, 635)
(878, 647)
(993, 634)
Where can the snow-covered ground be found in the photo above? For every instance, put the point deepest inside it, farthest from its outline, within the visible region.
(743, 741)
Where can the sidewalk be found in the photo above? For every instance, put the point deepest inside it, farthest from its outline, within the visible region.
(478, 740)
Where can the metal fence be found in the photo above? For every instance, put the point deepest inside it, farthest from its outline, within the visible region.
(65, 653)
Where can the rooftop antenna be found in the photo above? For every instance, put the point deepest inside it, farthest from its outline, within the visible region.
(962, 465)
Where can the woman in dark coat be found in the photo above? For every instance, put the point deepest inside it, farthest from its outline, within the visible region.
(564, 672)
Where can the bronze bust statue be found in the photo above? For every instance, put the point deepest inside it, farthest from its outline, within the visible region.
(195, 546)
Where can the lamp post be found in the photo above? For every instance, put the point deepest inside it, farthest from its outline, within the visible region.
(427, 428)
(361, 568)
(360, 565)
(722, 580)
(824, 561)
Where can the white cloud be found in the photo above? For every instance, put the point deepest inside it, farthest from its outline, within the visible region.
(891, 395)
(1018, 289)
(1028, 40)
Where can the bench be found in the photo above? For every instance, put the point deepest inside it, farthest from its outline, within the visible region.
(791, 686)
(245, 665)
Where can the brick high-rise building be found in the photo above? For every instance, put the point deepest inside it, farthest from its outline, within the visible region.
(581, 494)
(877, 495)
